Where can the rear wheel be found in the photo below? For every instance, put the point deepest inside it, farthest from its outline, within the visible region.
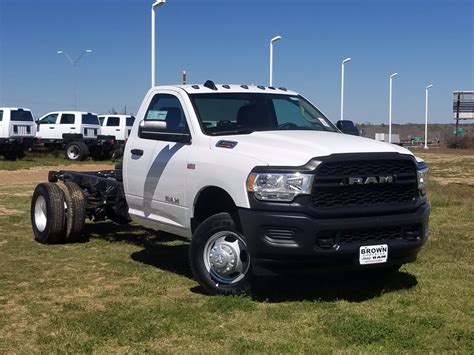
(219, 257)
(48, 214)
(75, 210)
(76, 151)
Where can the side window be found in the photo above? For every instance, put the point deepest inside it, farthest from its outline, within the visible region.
(113, 122)
(50, 119)
(101, 120)
(130, 120)
(167, 109)
(67, 118)
(1, 115)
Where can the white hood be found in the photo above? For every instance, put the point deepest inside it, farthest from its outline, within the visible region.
(296, 148)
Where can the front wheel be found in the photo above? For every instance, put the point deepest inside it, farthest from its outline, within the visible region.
(219, 257)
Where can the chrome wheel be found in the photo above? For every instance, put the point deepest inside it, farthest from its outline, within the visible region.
(226, 257)
(73, 152)
(40, 213)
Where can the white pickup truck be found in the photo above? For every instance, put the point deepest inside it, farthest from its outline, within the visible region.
(118, 126)
(258, 180)
(78, 133)
(17, 131)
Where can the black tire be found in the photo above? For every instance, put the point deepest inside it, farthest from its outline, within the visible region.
(76, 151)
(75, 210)
(47, 214)
(218, 224)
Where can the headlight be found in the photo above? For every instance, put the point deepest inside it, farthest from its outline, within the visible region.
(422, 179)
(279, 187)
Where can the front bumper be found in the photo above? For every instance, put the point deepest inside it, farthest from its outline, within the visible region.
(283, 241)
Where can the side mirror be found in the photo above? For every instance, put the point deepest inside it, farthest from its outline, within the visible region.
(347, 127)
(156, 130)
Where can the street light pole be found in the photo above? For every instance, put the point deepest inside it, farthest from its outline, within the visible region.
(342, 86)
(390, 109)
(155, 5)
(274, 39)
(74, 69)
(426, 115)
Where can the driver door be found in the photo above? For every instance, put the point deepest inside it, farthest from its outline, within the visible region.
(155, 170)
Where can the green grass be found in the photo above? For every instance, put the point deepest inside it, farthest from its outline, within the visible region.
(130, 289)
(38, 159)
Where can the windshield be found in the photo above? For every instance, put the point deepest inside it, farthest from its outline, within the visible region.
(21, 115)
(243, 113)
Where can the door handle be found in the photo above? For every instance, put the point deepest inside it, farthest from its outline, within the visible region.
(138, 152)
(73, 127)
(51, 127)
(117, 129)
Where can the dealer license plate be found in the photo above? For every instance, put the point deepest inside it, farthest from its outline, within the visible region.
(373, 254)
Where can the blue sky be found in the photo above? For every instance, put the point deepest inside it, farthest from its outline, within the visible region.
(425, 41)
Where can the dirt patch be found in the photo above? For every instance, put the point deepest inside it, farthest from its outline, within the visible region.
(40, 174)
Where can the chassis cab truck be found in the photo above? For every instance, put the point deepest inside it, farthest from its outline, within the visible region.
(118, 126)
(78, 133)
(259, 181)
(17, 131)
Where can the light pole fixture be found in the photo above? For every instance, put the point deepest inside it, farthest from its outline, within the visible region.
(426, 115)
(342, 86)
(74, 68)
(390, 109)
(274, 39)
(155, 5)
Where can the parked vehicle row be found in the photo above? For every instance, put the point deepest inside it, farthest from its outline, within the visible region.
(79, 134)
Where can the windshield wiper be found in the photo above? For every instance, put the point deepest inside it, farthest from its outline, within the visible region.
(231, 132)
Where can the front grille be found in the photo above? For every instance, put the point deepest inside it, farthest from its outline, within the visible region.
(378, 235)
(328, 239)
(332, 189)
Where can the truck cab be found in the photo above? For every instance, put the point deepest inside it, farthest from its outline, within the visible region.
(17, 131)
(118, 126)
(54, 126)
(262, 173)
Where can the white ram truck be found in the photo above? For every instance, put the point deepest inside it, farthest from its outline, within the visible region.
(257, 179)
(78, 133)
(17, 131)
(118, 126)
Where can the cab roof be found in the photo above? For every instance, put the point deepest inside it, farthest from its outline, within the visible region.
(209, 88)
(15, 108)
